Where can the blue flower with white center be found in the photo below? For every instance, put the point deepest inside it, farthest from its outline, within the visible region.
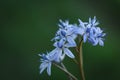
(98, 35)
(90, 32)
(46, 62)
(84, 30)
(67, 32)
(61, 50)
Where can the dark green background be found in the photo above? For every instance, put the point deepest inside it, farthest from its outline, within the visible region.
(27, 26)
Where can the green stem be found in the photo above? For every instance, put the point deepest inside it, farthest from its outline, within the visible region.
(72, 77)
(75, 61)
(81, 59)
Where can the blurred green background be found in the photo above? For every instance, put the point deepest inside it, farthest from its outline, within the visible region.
(27, 26)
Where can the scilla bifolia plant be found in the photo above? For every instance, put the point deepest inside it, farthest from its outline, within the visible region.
(65, 39)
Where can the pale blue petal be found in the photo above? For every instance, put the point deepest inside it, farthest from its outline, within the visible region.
(63, 33)
(49, 68)
(52, 54)
(69, 45)
(70, 30)
(61, 43)
(55, 54)
(94, 20)
(55, 38)
(95, 42)
(39, 55)
(80, 31)
(71, 41)
(101, 43)
(43, 66)
(96, 23)
(91, 40)
(62, 56)
(58, 55)
(68, 53)
(99, 30)
(88, 26)
(85, 37)
(55, 44)
(81, 23)
(104, 34)
(61, 24)
(74, 36)
(90, 20)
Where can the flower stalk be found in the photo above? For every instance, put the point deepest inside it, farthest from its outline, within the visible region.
(81, 59)
(63, 68)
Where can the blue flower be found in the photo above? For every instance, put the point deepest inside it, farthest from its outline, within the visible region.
(90, 32)
(46, 62)
(84, 30)
(98, 35)
(66, 32)
(62, 49)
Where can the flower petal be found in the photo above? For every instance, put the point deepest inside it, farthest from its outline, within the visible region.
(104, 34)
(90, 20)
(58, 55)
(51, 55)
(71, 41)
(61, 43)
(55, 44)
(80, 31)
(62, 56)
(43, 66)
(81, 23)
(69, 45)
(85, 37)
(68, 53)
(94, 20)
(95, 42)
(101, 43)
(49, 68)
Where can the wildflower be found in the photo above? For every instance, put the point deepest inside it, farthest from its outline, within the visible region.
(66, 32)
(61, 46)
(98, 35)
(84, 30)
(91, 32)
(48, 59)
(46, 62)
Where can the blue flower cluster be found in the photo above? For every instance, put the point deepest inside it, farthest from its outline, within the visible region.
(65, 39)
(91, 32)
